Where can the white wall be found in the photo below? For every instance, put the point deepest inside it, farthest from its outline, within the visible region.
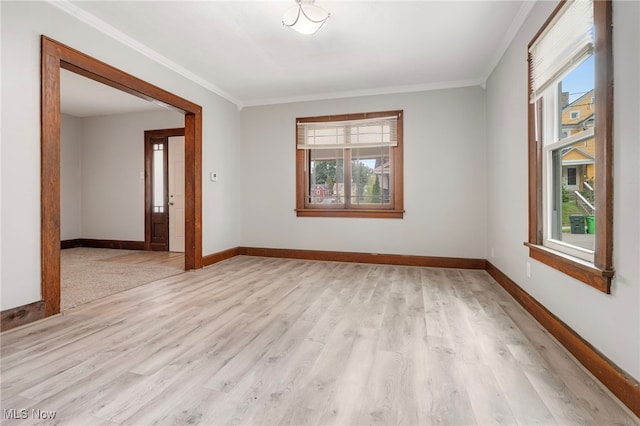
(22, 25)
(112, 160)
(444, 191)
(70, 177)
(102, 195)
(610, 322)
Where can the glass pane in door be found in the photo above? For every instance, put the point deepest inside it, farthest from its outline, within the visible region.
(158, 178)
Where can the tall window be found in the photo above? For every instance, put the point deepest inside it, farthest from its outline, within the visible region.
(159, 161)
(570, 142)
(350, 165)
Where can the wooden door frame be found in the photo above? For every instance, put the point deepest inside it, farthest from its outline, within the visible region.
(148, 180)
(55, 56)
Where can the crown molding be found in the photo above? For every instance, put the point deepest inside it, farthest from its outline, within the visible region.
(509, 35)
(107, 29)
(365, 92)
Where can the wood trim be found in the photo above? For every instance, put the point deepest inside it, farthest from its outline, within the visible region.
(193, 189)
(301, 176)
(623, 386)
(389, 259)
(54, 56)
(69, 244)
(167, 133)
(354, 257)
(380, 214)
(148, 191)
(108, 244)
(50, 177)
(210, 259)
(576, 268)
(535, 175)
(15, 317)
(397, 155)
(87, 66)
(602, 15)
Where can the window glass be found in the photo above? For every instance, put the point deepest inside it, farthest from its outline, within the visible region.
(572, 156)
(371, 175)
(158, 178)
(326, 180)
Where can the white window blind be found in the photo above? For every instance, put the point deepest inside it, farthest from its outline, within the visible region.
(563, 45)
(365, 133)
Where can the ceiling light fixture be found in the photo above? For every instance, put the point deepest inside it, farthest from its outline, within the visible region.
(305, 18)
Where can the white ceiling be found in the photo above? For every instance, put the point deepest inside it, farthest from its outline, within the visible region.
(82, 97)
(241, 50)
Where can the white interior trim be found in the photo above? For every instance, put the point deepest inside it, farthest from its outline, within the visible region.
(105, 28)
(366, 92)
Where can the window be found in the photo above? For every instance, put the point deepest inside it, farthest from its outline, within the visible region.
(571, 176)
(158, 178)
(570, 142)
(350, 165)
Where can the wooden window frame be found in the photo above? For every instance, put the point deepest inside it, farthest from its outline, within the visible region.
(599, 273)
(393, 211)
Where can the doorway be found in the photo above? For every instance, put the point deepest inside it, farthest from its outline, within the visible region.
(55, 56)
(175, 176)
(164, 190)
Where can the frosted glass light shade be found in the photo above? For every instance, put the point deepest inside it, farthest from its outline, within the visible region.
(305, 18)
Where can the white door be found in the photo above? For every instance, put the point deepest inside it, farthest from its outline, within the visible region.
(176, 194)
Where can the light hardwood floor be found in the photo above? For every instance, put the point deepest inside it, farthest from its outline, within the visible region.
(272, 341)
(152, 258)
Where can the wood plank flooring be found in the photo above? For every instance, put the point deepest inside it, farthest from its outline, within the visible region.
(269, 341)
(155, 258)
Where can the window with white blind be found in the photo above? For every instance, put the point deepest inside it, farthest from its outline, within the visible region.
(350, 165)
(570, 142)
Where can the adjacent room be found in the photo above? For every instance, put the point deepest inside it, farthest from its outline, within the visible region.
(320, 212)
(103, 212)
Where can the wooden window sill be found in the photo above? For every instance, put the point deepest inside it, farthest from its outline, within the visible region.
(361, 213)
(579, 269)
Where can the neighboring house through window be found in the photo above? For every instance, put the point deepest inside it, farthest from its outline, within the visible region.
(350, 165)
(570, 142)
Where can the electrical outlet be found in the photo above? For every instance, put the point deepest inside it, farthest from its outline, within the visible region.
(213, 176)
(528, 270)
(493, 252)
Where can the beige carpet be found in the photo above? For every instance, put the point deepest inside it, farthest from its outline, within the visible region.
(89, 273)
